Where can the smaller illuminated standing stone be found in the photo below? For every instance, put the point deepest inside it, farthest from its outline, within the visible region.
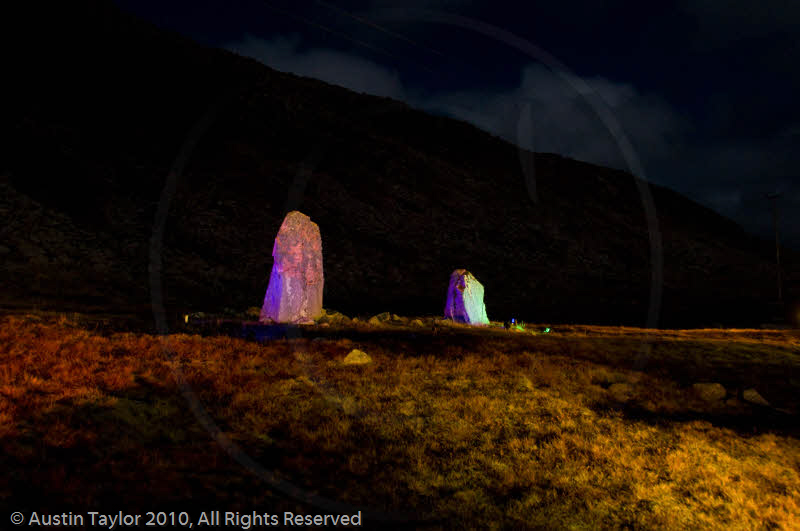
(465, 299)
(294, 293)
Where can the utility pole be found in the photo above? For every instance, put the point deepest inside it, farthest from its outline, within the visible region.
(773, 199)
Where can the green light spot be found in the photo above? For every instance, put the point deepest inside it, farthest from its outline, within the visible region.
(547, 330)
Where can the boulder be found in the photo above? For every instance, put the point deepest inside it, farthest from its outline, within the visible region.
(465, 299)
(333, 317)
(752, 396)
(621, 391)
(709, 392)
(524, 383)
(417, 323)
(356, 357)
(294, 293)
(733, 402)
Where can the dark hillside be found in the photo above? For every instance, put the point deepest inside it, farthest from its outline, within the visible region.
(102, 103)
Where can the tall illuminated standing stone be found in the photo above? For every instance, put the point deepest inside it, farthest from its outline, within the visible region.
(465, 299)
(294, 293)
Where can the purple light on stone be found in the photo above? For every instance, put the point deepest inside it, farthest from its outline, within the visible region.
(465, 299)
(294, 293)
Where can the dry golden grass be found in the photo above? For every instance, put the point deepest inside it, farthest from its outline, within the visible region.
(471, 429)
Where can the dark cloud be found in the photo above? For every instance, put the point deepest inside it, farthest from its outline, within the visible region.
(545, 114)
(283, 52)
(734, 147)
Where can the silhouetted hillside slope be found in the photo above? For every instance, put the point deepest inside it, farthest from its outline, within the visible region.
(103, 102)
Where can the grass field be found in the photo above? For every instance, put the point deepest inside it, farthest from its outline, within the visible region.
(581, 428)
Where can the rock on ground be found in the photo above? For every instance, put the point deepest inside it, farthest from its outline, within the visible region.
(752, 396)
(332, 317)
(709, 392)
(379, 319)
(356, 357)
(294, 293)
(524, 383)
(465, 299)
(621, 391)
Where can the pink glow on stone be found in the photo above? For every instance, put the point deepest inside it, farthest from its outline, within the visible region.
(294, 293)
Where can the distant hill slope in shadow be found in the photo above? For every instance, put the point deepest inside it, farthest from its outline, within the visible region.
(103, 103)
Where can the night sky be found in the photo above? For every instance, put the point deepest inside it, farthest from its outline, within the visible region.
(705, 90)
